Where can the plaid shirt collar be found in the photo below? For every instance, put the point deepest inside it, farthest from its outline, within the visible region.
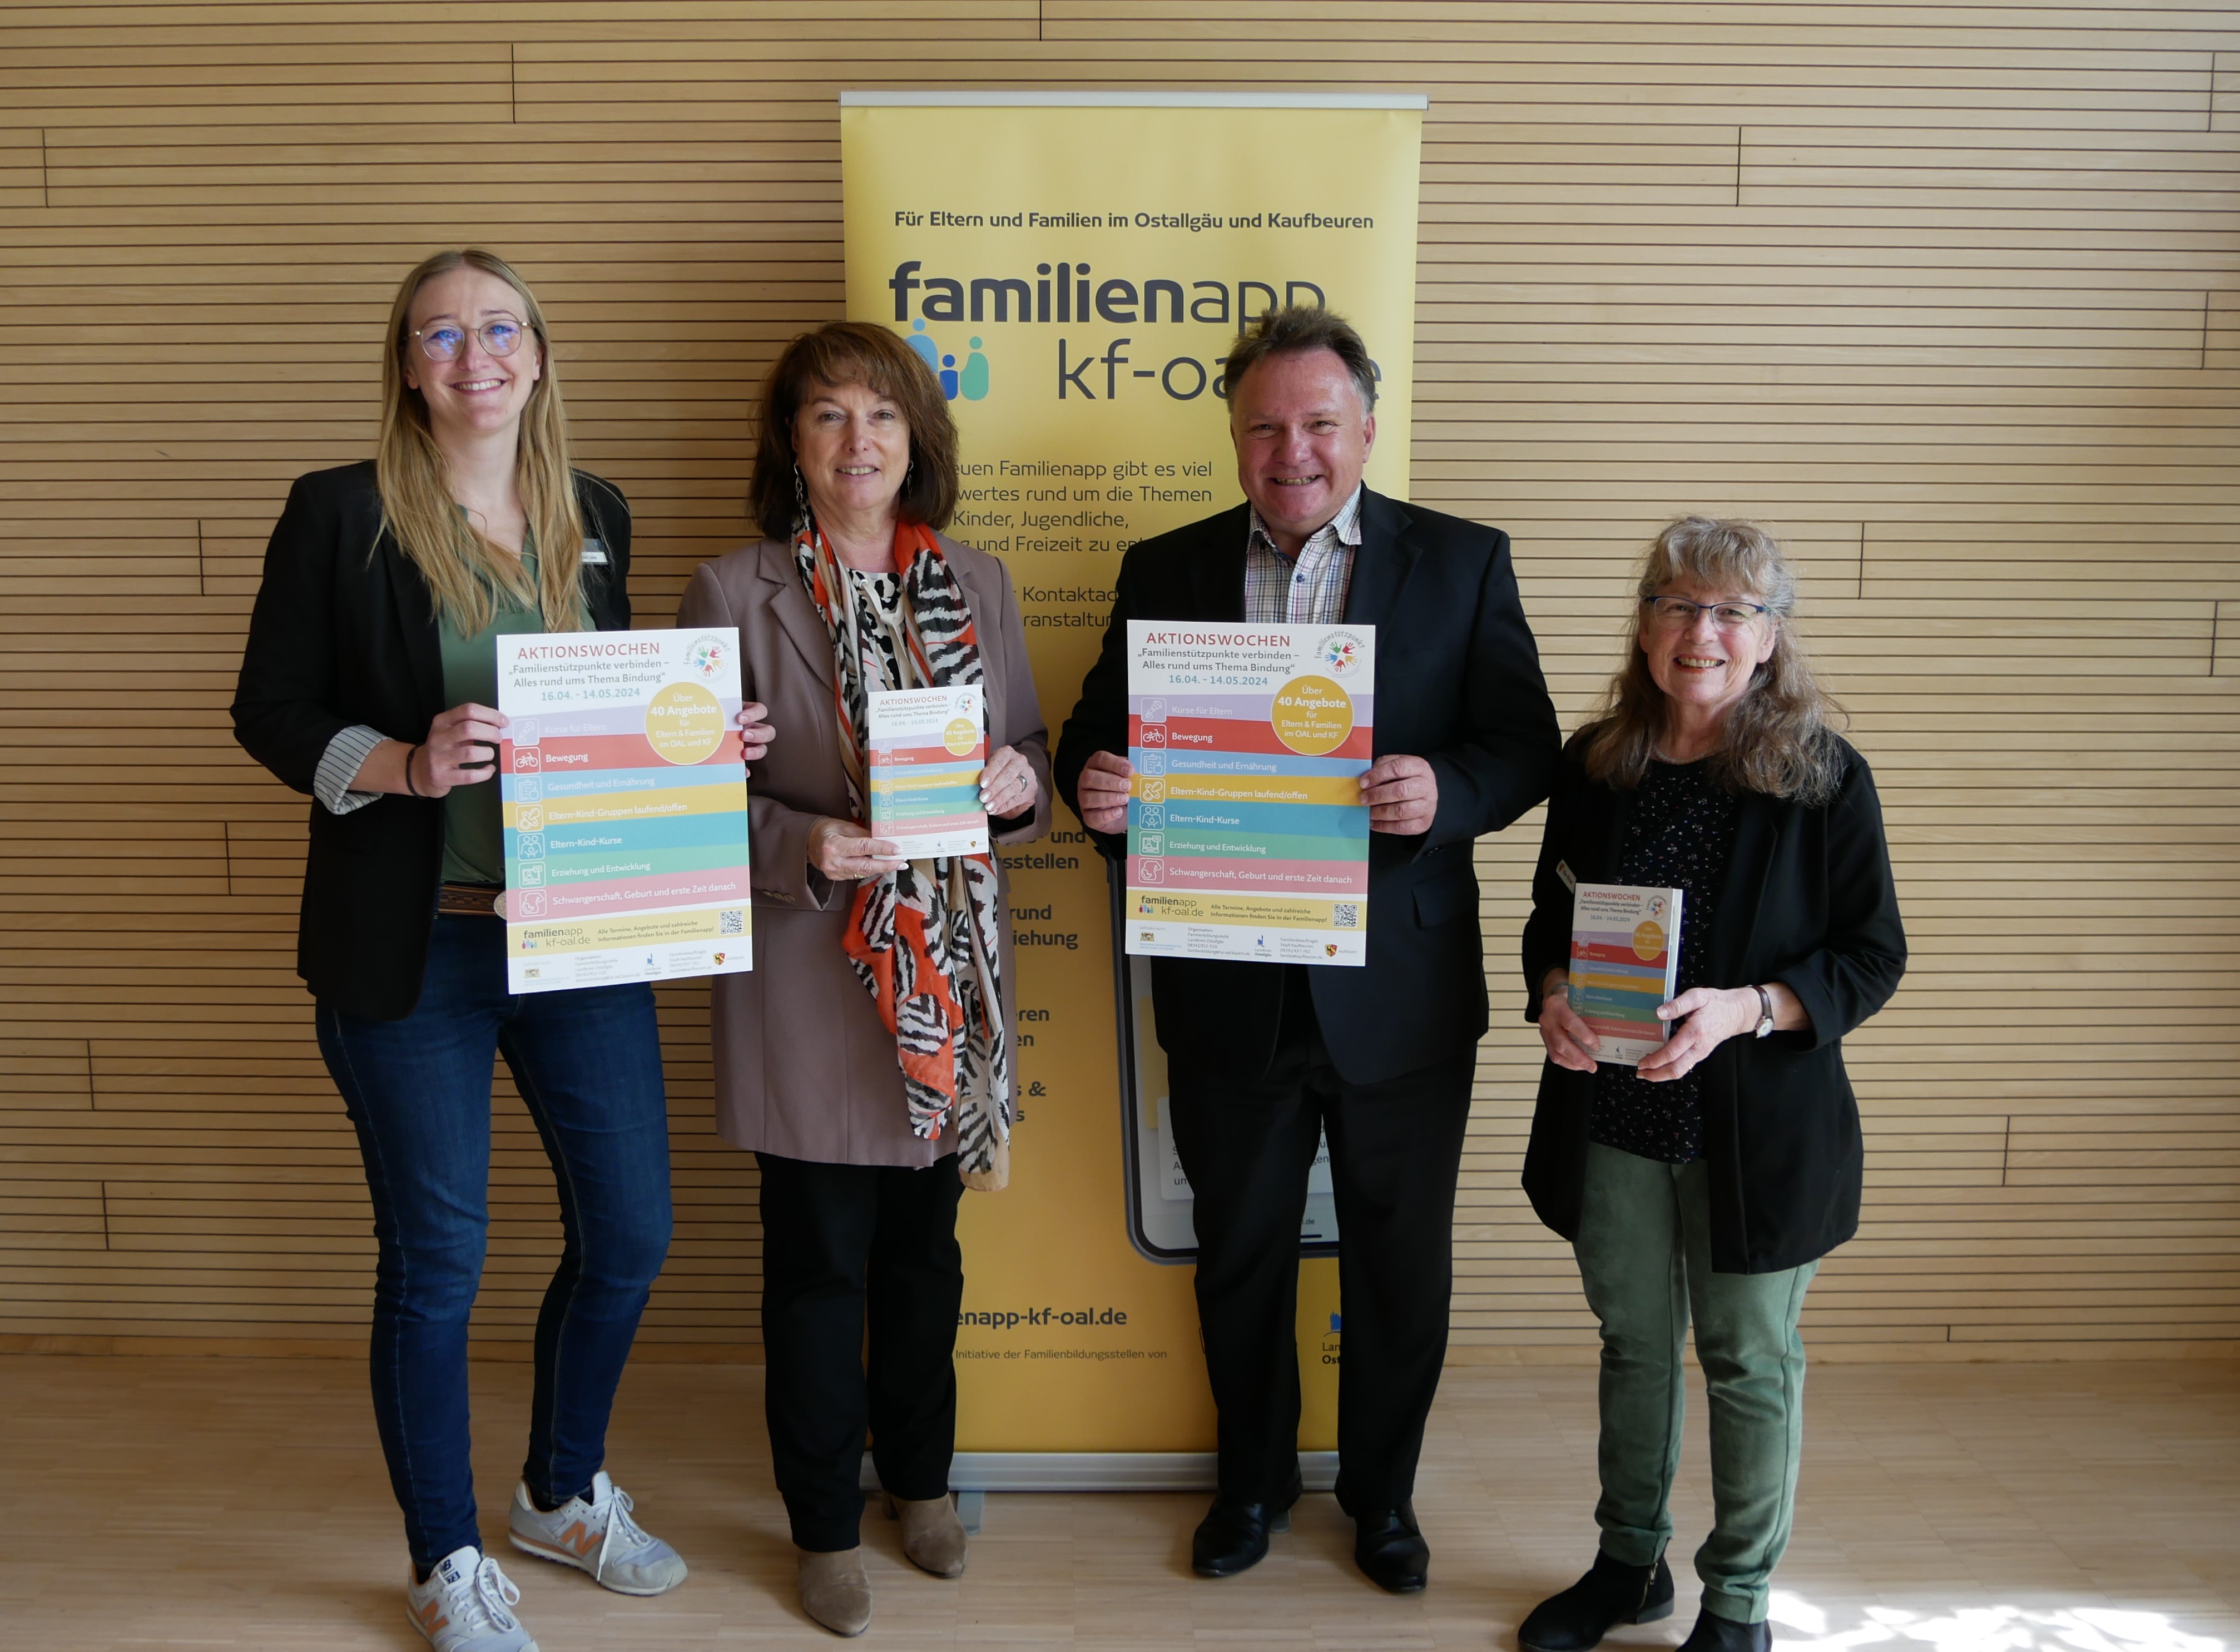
(1308, 588)
(1346, 526)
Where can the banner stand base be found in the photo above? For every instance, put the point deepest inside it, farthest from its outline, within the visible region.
(972, 1475)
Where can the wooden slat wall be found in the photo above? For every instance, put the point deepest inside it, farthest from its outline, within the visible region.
(1946, 292)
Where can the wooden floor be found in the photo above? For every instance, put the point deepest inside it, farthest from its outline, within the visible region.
(241, 1503)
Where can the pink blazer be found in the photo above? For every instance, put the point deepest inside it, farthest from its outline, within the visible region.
(804, 1067)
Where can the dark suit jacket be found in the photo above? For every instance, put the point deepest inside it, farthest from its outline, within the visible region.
(1808, 902)
(344, 632)
(1458, 684)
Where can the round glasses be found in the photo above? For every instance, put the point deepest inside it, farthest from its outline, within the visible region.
(444, 341)
(1675, 612)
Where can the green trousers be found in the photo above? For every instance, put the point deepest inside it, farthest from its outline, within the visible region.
(1645, 1252)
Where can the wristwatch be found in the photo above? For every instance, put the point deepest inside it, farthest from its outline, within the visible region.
(1764, 1011)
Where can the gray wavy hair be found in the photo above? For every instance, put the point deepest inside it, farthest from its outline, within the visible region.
(1781, 739)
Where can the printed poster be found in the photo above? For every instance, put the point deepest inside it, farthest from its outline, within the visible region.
(624, 789)
(1247, 836)
(928, 747)
(1625, 961)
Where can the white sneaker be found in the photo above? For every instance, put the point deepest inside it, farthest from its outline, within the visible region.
(466, 1606)
(599, 1537)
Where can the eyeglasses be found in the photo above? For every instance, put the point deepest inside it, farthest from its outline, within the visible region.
(443, 343)
(1675, 612)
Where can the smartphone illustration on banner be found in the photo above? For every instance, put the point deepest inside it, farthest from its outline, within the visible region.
(1158, 1199)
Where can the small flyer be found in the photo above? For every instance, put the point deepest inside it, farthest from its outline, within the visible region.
(928, 747)
(1247, 836)
(1625, 961)
(624, 791)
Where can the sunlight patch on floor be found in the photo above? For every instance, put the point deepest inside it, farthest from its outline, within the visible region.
(1986, 1629)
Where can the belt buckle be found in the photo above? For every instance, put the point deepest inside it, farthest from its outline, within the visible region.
(462, 900)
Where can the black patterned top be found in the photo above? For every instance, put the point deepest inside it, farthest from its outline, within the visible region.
(1679, 834)
(880, 591)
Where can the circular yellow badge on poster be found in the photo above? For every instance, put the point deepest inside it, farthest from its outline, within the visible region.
(1313, 715)
(960, 737)
(685, 723)
(1647, 941)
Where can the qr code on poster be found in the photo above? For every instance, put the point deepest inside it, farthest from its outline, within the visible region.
(1346, 914)
(731, 922)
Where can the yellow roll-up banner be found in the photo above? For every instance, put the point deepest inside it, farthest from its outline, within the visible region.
(1074, 266)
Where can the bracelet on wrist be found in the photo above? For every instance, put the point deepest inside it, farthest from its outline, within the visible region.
(409, 786)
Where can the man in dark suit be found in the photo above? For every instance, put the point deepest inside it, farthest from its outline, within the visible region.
(1264, 1058)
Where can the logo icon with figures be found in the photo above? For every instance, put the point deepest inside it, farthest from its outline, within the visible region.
(1341, 652)
(970, 381)
(705, 658)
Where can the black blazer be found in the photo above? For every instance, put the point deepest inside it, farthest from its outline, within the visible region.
(1808, 902)
(344, 632)
(1458, 684)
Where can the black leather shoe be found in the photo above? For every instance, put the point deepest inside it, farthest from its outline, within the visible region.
(1606, 1597)
(1233, 1537)
(1390, 1550)
(1715, 1634)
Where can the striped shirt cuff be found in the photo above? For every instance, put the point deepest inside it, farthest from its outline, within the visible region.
(345, 754)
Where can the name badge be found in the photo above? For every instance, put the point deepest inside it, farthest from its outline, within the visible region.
(1564, 871)
(595, 553)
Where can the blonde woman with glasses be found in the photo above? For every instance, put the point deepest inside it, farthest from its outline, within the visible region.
(370, 683)
(1708, 1181)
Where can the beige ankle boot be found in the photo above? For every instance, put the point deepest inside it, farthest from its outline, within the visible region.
(932, 1535)
(834, 1590)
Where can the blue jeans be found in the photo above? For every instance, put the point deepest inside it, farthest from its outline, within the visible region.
(588, 1064)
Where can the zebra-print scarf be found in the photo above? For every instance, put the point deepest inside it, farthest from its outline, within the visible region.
(923, 940)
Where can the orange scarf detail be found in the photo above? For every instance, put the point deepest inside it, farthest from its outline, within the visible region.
(937, 983)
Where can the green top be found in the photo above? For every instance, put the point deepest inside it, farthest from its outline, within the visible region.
(474, 827)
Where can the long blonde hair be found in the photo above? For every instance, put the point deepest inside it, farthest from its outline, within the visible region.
(465, 570)
(1780, 738)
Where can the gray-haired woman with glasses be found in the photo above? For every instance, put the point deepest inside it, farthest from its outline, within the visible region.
(1708, 1181)
(371, 683)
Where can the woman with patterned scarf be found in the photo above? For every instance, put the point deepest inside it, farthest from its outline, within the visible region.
(866, 1059)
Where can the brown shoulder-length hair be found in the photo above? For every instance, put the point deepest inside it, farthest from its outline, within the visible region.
(854, 352)
(1780, 740)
